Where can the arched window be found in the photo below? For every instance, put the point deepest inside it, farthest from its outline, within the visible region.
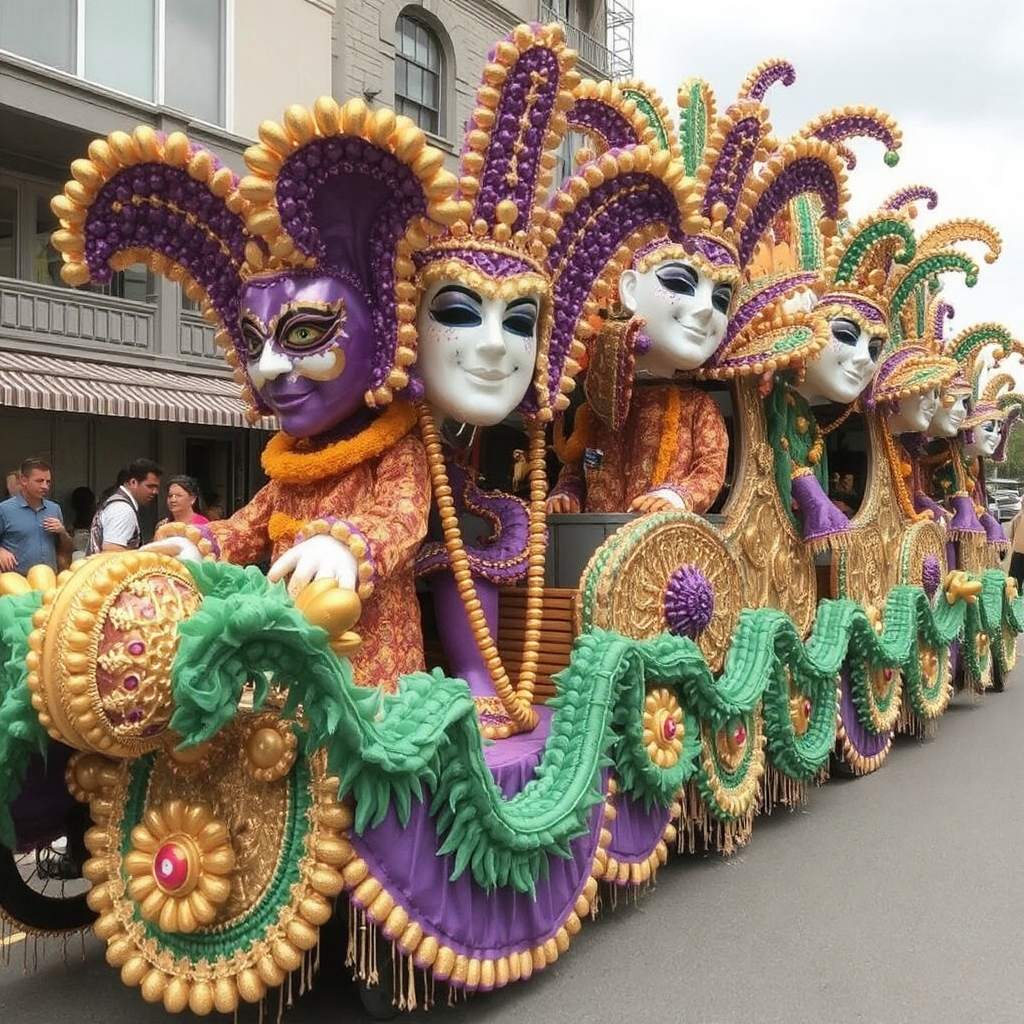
(419, 74)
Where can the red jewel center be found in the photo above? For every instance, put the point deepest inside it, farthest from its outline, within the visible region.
(669, 729)
(171, 866)
(887, 675)
(808, 708)
(740, 735)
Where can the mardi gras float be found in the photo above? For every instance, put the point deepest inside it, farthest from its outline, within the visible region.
(236, 760)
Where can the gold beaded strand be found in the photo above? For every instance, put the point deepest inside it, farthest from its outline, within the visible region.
(520, 711)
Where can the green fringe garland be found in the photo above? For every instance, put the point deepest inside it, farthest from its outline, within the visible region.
(21, 735)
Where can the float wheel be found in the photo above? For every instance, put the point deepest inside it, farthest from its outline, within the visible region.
(665, 571)
(34, 902)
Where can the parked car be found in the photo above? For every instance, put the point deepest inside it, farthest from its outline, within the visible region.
(1004, 499)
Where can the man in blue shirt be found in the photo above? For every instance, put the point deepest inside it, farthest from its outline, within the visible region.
(31, 527)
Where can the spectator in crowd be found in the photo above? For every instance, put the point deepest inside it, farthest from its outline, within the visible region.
(13, 483)
(116, 527)
(83, 508)
(1012, 562)
(214, 507)
(31, 526)
(122, 479)
(183, 501)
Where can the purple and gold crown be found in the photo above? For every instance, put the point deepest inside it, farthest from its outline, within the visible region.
(334, 189)
(495, 242)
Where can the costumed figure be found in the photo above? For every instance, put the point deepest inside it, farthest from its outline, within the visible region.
(913, 372)
(644, 441)
(949, 460)
(306, 268)
(872, 271)
(1012, 405)
(982, 437)
(485, 320)
(906, 392)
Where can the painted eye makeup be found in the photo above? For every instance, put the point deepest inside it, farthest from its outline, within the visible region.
(678, 278)
(846, 332)
(254, 335)
(456, 307)
(721, 297)
(875, 349)
(520, 318)
(308, 328)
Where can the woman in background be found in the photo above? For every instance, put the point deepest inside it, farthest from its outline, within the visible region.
(183, 502)
(83, 507)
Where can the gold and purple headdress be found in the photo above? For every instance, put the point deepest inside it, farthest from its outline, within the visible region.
(972, 349)
(334, 190)
(741, 180)
(754, 185)
(496, 241)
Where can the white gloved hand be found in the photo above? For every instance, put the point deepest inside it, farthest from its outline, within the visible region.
(670, 496)
(178, 547)
(318, 558)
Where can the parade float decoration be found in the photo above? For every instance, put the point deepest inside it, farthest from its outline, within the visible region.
(259, 759)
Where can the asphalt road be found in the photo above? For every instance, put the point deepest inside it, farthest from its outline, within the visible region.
(893, 898)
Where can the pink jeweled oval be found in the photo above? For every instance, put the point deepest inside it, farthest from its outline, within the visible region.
(170, 866)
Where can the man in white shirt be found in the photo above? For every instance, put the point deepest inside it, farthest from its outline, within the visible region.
(115, 527)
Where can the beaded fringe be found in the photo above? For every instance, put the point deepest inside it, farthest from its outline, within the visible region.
(778, 789)
(700, 830)
(16, 935)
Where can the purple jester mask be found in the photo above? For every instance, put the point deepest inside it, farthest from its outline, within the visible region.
(309, 348)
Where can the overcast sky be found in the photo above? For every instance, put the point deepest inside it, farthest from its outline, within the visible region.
(952, 75)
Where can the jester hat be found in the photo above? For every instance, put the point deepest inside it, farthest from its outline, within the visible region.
(741, 178)
(971, 349)
(495, 241)
(334, 190)
(749, 179)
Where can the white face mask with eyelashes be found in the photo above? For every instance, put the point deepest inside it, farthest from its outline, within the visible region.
(686, 314)
(844, 367)
(987, 436)
(476, 355)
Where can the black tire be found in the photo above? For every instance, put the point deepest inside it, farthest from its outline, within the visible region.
(376, 1001)
(45, 905)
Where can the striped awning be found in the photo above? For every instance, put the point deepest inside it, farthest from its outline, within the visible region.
(29, 381)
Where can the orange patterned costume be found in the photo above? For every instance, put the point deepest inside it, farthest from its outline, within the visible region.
(641, 458)
(385, 500)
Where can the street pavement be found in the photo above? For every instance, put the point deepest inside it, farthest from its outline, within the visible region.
(894, 898)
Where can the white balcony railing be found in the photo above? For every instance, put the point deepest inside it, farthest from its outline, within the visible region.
(59, 321)
(592, 51)
(61, 318)
(195, 337)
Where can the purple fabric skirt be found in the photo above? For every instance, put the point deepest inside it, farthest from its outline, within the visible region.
(460, 914)
(866, 743)
(635, 830)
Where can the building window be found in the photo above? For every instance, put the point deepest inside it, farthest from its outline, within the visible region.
(44, 30)
(26, 253)
(194, 43)
(169, 52)
(109, 25)
(8, 231)
(419, 74)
